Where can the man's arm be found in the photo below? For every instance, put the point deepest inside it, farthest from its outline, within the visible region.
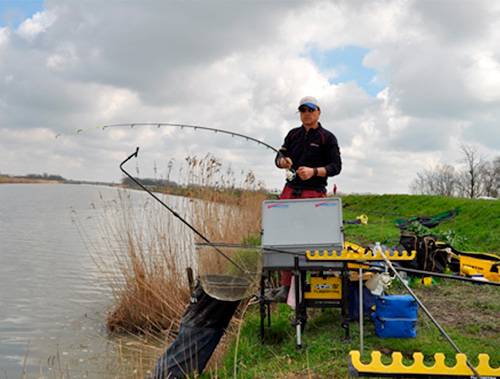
(333, 155)
(282, 160)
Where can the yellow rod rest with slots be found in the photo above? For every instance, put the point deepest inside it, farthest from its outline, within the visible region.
(418, 367)
(349, 255)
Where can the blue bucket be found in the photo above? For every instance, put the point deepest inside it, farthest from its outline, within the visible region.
(395, 316)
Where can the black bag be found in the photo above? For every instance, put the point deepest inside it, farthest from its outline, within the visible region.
(368, 301)
(431, 254)
(200, 331)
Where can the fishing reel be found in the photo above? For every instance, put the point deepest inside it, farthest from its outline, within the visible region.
(290, 174)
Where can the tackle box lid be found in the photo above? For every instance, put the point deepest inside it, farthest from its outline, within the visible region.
(301, 224)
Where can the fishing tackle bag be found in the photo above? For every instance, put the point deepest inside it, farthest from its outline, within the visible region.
(432, 255)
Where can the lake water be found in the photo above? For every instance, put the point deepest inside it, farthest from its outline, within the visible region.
(53, 297)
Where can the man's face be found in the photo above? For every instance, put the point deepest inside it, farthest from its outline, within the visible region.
(308, 116)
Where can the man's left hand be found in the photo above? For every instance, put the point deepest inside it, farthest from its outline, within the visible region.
(305, 173)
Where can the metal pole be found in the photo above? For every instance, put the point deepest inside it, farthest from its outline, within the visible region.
(298, 322)
(262, 305)
(426, 311)
(436, 275)
(361, 311)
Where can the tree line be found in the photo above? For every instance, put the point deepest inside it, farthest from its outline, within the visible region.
(127, 182)
(475, 177)
(44, 176)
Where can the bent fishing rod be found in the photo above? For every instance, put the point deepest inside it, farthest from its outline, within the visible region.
(195, 127)
(135, 154)
(290, 173)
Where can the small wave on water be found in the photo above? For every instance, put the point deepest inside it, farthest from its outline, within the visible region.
(53, 297)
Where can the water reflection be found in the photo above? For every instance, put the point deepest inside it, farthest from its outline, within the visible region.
(53, 298)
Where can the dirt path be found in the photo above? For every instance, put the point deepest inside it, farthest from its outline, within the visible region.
(470, 307)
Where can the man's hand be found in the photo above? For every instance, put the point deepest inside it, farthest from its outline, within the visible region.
(305, 173)
(285, 162)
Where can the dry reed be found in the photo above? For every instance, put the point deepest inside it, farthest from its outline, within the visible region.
(144, 269)
(150, 249)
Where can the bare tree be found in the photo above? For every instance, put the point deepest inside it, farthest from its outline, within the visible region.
(469, 179)
(440, 180)
(496, 170)
(490, 178)
(419, 185)
(445, 180)
(477, 178)
(488, 183)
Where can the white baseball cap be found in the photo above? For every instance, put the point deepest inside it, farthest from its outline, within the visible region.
(310, 102)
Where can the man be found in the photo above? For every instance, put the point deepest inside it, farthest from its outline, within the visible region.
(314, 154)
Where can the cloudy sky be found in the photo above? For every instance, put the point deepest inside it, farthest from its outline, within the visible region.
(402, 84)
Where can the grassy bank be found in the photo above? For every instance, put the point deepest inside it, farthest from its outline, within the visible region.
(476, 228)
(470, 313)
(146, 281)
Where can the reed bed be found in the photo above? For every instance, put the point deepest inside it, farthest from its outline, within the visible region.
(142, 266)
(151, 250)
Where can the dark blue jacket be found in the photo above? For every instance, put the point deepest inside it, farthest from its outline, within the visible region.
(314, 148)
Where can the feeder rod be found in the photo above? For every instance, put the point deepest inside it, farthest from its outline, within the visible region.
(439, 275)
(290, 177)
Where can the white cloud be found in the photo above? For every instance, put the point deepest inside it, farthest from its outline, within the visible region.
(243, 67)
(4, 36)
(483, 77)
(63, 59)
(36, 25)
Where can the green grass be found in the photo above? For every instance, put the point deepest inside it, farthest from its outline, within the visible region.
(477, 225)
(325, 351)
(469, 313)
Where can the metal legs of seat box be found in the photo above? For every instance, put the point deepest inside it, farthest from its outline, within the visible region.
(302, 303)
(300, 310)
(345, 301)
(265, 308)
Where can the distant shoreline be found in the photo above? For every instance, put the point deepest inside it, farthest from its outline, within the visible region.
(13, 180)
(5, 179)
